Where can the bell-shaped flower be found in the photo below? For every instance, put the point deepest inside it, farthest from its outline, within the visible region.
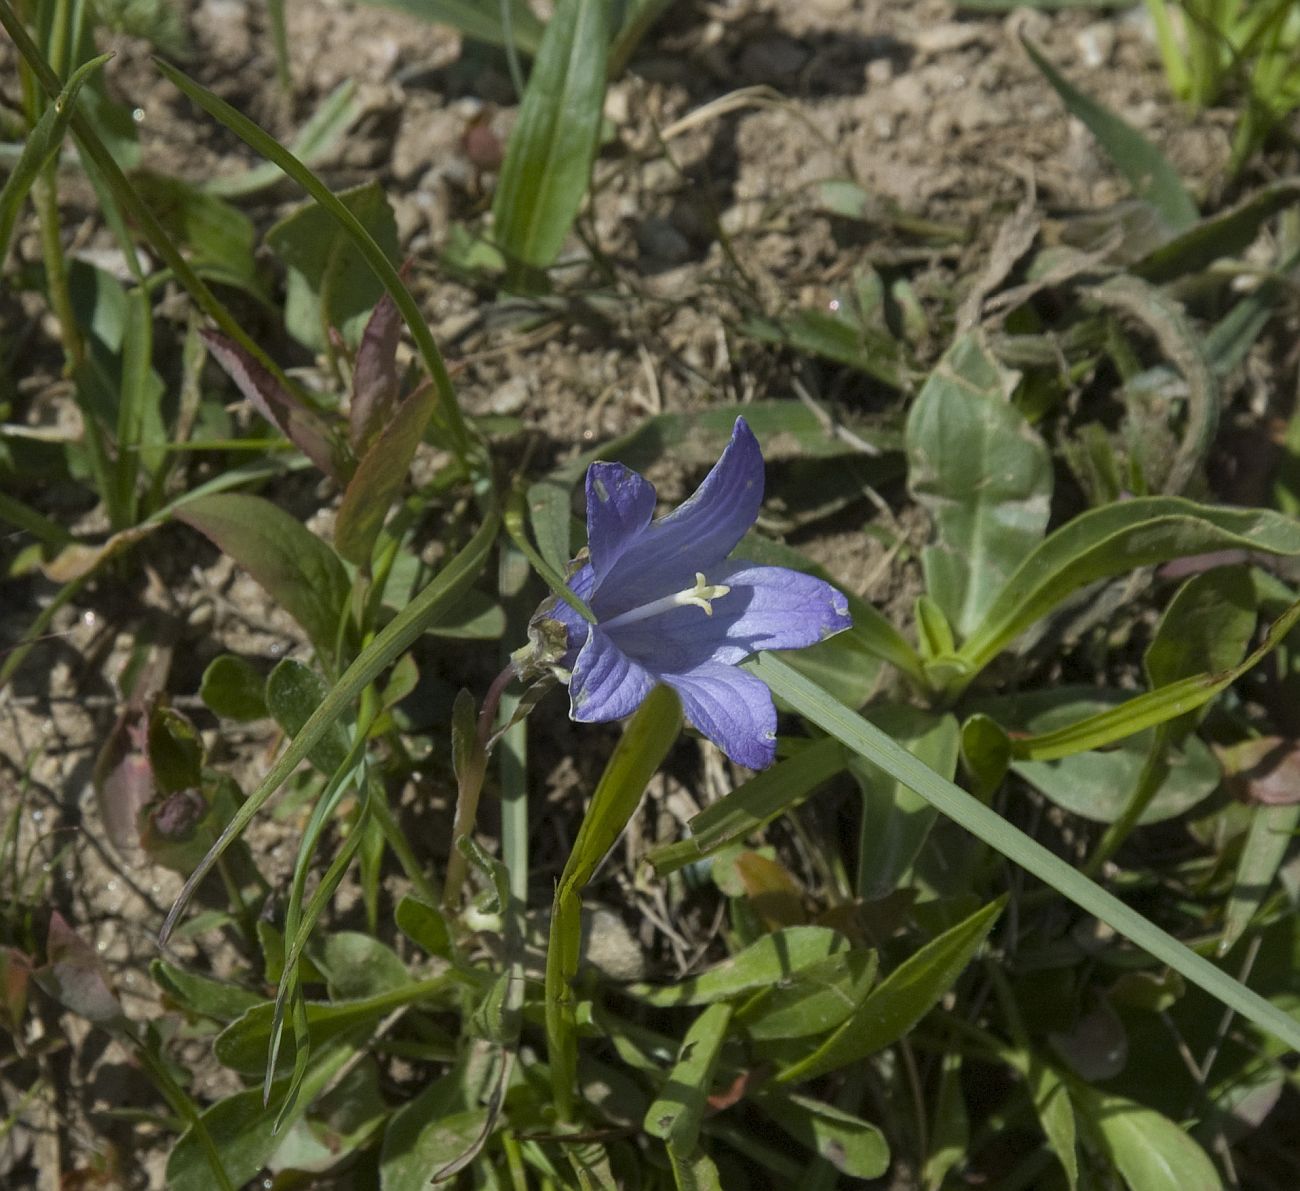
(670, 606)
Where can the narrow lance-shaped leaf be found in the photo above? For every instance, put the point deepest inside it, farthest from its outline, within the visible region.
(678, 1110)
(301, 425)
(1113, 540)
(549, 154)
(379, 477)
(1160, 706)
(300, 572)
(374, 376)
(646, 740)
(906, 995)
(1145, 167)
(41, 144)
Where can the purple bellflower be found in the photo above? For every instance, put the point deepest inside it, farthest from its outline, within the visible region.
(671, 607)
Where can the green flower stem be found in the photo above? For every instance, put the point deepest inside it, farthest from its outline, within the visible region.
(45, 197)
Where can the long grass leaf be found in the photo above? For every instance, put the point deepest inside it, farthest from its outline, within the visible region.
(39, 148)
(987, 825)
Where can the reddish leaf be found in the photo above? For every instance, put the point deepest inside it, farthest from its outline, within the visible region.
(374, 376)
(1264, 772)
(380, 477)
(302, 426)
(72, 976)
(123, 781)
(772, 891)
(15, 972)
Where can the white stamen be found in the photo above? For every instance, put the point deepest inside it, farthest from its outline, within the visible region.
(701, 596)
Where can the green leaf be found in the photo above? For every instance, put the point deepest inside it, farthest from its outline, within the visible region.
(293, 693)
(219, 237)
(1148, 172)
(243, 1131)
(987, 825)
(202, 995)
(301, 573)
(356, 966)
(331, 283)
(424, 925)
(769, 960)
(379, 477)
(1224, 234)
(905, 996)
(1113, 540)
(242, 1045)
(1206, 628)
(232, 687)
(895, 820)
(1096, 784)
(477, 19)
(950, 1133)
(39, 148)
(985, 753)
(693, 1172)
(752, 805)
(475, 618)
(982, 472)
(811, 1000)
(1160, 706)
(851, 343)
(853, 1146)
(677, 1111)
(1151, 1152)
(1272, 829)
(1056, 1115)
(548, 157)
(175, 751)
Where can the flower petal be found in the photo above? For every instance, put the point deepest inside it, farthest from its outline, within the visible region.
(696, 536)
(732, 708)
(606, 683)
(620, 504)
(779, 608)
(766, 608)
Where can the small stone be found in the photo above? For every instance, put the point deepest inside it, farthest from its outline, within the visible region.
(879, 72)
(659, 240)
(510, 397)
(773, 58)
(1096, 44)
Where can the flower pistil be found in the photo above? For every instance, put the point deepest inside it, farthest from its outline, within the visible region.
(700, 596)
